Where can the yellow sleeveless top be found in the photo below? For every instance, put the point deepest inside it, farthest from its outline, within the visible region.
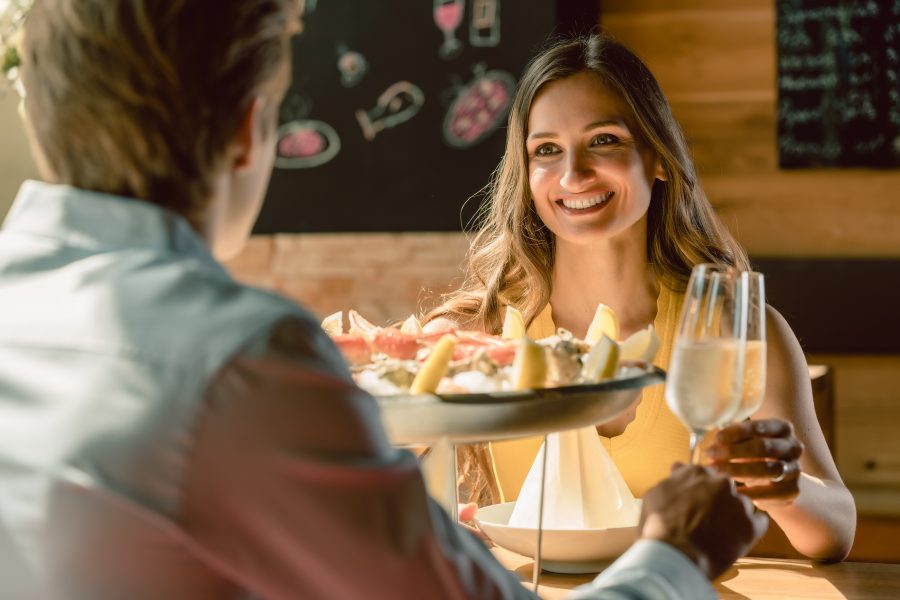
(644, 453)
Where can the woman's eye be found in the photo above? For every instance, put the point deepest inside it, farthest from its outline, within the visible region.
(545, 150)
(605, 139)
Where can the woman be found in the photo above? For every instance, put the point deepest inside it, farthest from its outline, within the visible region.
(596, 200)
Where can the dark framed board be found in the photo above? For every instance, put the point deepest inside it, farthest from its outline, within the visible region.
(838, 83)
(396, 115)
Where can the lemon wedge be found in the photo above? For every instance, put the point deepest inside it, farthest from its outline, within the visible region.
(411, 326)
(605, 322)
(602, 361)
(513, 324)
(529, 368)
(641, 345)
(434, 367)
(333, 324)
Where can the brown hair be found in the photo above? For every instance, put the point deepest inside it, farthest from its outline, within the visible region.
(141, 98)
(511, 257)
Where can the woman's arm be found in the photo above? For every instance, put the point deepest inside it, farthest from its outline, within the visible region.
(811, 505)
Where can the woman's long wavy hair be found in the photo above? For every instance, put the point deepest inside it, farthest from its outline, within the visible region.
(511, 257)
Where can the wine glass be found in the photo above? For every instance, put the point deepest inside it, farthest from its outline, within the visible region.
(751, 289)
(448, 15)
(704, 384)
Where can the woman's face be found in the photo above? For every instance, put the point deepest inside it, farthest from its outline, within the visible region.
(590, 176)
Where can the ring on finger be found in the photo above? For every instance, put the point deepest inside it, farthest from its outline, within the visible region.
(787, 468)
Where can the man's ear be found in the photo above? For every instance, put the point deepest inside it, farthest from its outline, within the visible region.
(248, 134)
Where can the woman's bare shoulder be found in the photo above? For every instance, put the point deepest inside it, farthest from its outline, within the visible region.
(445, 323)
(440, 324)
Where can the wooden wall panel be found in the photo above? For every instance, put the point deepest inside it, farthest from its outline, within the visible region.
(695, 55)
(835, 213)
(867, 410)
(385, 276)
(716, 62)
(728, 137)
(613, 7)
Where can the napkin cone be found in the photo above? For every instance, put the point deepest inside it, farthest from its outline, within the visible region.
(584, 489)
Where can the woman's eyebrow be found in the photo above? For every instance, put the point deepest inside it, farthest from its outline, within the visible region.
(618, 122)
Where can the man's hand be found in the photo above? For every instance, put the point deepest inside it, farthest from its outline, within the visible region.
(699, 512)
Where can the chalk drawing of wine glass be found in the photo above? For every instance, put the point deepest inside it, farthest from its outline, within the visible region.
(396, 105)
(484, 23)
(306, 143)
(352, 65)
(479, 107)
(448, 15)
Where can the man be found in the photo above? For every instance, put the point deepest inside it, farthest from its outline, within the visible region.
(168, 433)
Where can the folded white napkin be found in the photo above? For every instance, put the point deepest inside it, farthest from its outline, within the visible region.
(584, 489)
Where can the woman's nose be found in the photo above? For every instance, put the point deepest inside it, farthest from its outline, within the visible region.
(579, 172)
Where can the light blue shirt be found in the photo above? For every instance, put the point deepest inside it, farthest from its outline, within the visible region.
(167, 432)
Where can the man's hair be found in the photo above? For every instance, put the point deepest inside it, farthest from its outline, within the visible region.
(142, 97)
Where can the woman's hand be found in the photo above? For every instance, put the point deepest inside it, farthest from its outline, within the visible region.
(466, 515)
(617, 426)
(764, 455)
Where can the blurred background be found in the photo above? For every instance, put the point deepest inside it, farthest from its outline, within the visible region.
(824, 226)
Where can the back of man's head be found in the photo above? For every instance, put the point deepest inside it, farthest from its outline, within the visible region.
(142, 97)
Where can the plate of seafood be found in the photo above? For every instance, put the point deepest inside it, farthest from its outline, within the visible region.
(467, 386)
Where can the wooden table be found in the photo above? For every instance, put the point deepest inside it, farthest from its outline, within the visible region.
(757, 578)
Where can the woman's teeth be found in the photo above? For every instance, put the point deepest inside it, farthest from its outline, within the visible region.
(582, 203)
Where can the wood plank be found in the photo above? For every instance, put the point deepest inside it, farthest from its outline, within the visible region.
(368, 254)
(702, 51)
(730, 136)
(878, 502)
(876, 540)
(385, 276)
(867, 418)
(608, 7)
(841, 212)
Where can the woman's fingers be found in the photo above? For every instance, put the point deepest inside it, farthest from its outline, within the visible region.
(780, 448)
(468, 511)
(748, 430)
(751, 470)
(764, 456)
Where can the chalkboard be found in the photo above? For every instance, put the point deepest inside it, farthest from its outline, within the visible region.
(396, 114)
(838, 83)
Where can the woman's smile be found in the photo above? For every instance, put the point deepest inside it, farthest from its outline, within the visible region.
(584, 205)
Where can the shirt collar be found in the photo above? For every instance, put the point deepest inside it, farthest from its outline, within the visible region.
(98, 221)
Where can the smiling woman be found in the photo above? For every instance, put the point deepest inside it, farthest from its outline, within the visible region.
(596, 201)
(589, 172)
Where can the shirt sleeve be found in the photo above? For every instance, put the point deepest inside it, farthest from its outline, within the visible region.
(293, 491)
(649, 570)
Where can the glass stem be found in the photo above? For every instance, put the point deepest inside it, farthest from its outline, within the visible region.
(696, 438)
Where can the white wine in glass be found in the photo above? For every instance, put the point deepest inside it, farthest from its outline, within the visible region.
(704, 384)
(751, 288)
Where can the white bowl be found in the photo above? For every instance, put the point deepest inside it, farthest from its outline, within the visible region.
(562, 550)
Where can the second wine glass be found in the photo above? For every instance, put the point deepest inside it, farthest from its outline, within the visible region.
(704, 384)
(751, 290)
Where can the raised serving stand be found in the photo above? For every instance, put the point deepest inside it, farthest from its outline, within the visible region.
(443, 421)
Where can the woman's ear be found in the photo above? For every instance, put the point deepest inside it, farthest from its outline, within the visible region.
(659, 172)
(248, 134)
